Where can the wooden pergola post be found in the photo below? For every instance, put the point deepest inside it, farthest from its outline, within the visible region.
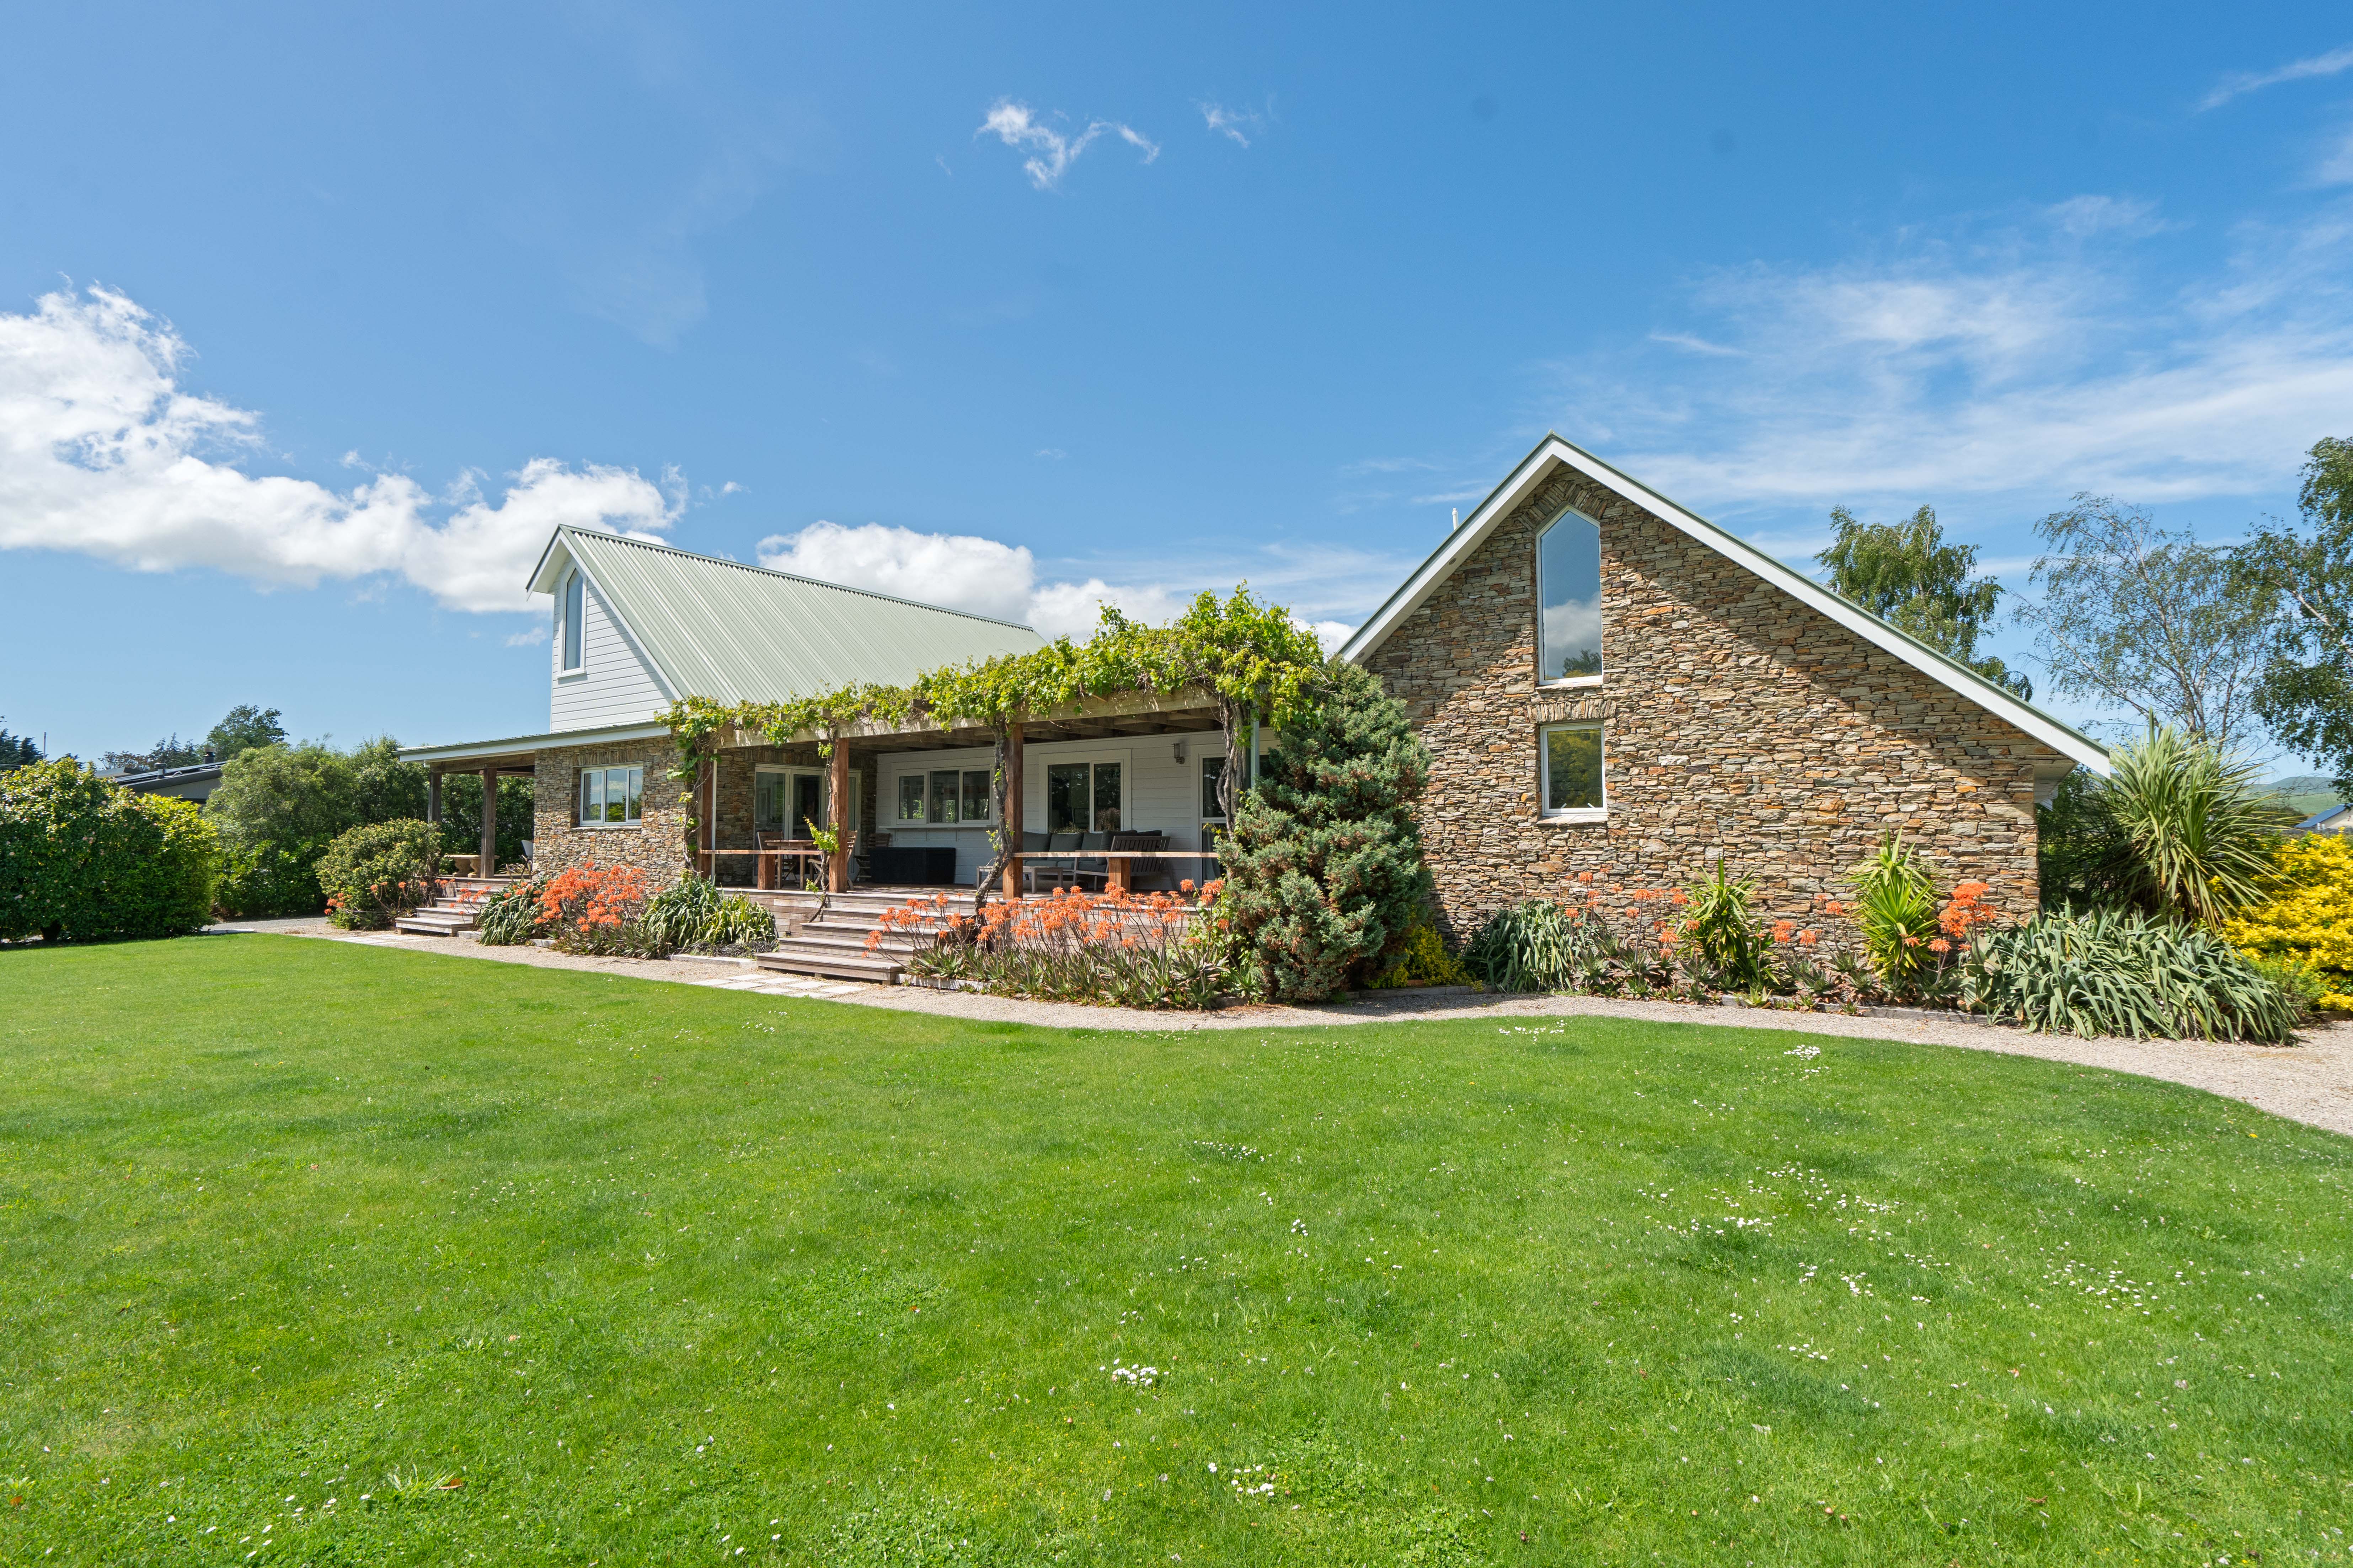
(1008, 812)
(841, 808)
(433, 797)
(490, 822)
(706, 863)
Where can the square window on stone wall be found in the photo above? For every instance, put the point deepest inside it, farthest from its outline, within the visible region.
(611, 797)
(1568, 764)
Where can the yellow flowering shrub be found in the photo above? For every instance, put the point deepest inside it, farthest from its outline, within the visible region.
(1424, 961)
(2309, 917)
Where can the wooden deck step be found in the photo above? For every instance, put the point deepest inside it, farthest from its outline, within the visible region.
(795, 958)
(833, 939)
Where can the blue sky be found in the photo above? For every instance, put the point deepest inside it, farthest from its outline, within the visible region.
(312, 321)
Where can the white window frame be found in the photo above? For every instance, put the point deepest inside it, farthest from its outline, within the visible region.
(1574, 814)
(888, 801)
(1202, 821)
(1037, 758)
(580, 797)
(571, 624)
(1566, 682)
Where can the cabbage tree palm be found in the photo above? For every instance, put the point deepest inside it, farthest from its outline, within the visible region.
(2193, 841)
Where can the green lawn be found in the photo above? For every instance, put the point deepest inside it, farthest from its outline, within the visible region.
(344, 1255)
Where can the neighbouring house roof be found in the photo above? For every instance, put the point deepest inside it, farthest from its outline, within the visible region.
(1489, 515)
(2334, 820)
(733, 632)
(195, 781)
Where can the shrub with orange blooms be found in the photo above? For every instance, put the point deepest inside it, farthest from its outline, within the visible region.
(1133, 950)
(375, 873)
(595, 910)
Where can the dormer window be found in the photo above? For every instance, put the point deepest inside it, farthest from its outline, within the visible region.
(572, 604)
(1568, 617)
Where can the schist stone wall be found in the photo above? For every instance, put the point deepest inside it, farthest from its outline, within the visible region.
(657, 844)
(660, 844)
(1737, 719)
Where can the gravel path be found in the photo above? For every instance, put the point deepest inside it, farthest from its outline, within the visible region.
(2311, 1081)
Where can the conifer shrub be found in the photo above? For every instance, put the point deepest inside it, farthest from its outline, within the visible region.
(83, 859)
(1324, 873)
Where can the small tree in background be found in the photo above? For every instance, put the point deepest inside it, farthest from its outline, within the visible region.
(2306, 694)
(278, 808)
(2149, 620)
(1907, 574)
(17, 752)
(244, 727)
(1323, 871)
(2194, 840)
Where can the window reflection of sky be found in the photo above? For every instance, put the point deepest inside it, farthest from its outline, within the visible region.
(1568, 572)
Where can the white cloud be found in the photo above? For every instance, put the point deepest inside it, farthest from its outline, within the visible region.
(2237, 82)
(2335, 167)
(1075, 609)
(985, 577)
(102, 452)
(957, 571)
(538, 634)
(2038, 360)
(1052, 153)
(1236, 125)
(1330, 634)
(1697, 345)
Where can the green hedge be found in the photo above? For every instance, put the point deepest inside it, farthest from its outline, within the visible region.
(82, 859)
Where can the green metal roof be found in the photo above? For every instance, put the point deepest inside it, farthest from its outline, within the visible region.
(735, 633)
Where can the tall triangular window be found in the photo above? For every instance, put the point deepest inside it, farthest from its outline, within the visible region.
(1569, 578)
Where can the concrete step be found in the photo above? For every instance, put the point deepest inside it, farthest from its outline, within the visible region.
(793, 958)
(426, 922)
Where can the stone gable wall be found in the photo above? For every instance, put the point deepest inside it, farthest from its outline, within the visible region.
(1736, 718)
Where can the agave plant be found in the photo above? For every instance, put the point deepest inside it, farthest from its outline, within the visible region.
(2194, 840)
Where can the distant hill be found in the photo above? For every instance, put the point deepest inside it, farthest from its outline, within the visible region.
(2307, 794)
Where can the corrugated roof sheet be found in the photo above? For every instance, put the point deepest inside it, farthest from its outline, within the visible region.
(744, 633)
(735, 633)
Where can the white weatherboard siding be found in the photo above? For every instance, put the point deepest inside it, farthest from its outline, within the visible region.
(615, 685)
(1159, 794)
